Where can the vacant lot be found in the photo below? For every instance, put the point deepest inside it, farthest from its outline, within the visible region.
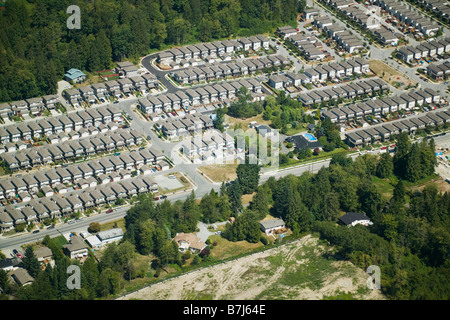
(389, 74)
(220, 172)
(244, 123)
(304, 269)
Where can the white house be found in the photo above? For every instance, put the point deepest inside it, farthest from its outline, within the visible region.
(270, 226)
(109, 236)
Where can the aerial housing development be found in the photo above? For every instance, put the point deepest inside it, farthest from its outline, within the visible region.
(174, 149)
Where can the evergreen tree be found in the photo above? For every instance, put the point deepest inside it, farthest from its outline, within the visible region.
(385, 166)
(30, 262)
(402, 149)
(248, 177)
(234, 192)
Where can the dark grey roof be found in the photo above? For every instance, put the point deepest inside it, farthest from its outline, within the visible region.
(350, 217)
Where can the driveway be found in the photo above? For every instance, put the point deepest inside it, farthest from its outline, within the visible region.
(204, 233)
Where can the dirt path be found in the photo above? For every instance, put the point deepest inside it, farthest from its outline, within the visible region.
(272, 274)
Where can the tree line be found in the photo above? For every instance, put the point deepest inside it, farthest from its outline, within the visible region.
(37, 48)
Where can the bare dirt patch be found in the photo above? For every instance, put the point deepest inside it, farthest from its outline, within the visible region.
(220, 172)
(389, 74)
(244, 123)
(298, 270)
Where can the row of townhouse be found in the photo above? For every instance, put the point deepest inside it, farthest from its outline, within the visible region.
(439, 8)
(342, 36)
(286, 32)
(212, 49)
(80, 174)
(114, 88)
(309, 45)
(32, 106)
(439, 71)
(195, 96)
(64, 123)
(124, 173)
(126, 69)
(411, 18)
(433, 48)
(405, 101)
(320, 74)
(56, 206)
(346, 91)
(217, 71)
(61, 137)
(372, 23)
(190, 124)
(386, 130)
(208, 146)
(48, 154)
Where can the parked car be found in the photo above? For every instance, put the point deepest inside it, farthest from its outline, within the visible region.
(156, 198)
(109, 211)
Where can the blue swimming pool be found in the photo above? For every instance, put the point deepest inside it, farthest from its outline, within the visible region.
(310, 137)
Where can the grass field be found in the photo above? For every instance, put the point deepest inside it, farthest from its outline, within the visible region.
(384, 187)
(226, 249)
(119, 223)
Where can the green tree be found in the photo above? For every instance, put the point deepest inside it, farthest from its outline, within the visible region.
(234, 192)
(30, 262)
(248, 176)
(94, 227)
(402, 149)
(385, 166)
(108, 282)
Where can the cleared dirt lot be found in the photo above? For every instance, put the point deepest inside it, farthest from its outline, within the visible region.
(389, 74)
(220, 172)
(303, 269)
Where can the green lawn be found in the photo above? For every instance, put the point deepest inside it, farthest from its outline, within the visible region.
(59, 241)
(226, 249)
(385, 186)
(293, 131)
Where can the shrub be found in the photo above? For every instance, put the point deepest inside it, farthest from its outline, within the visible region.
(264, 241)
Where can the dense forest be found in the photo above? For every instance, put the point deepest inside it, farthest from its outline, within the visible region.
(37, 48)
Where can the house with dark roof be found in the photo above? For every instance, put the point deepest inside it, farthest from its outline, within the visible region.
(301, 142)
(351, 219)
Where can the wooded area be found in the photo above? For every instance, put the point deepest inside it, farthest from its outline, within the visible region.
(37, 48)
